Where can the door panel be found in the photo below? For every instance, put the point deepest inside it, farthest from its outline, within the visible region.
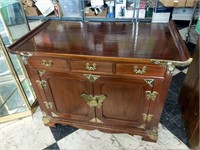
(126, 100)
(64, 91)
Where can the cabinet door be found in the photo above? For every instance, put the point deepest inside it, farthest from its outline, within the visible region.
(63, 92)
(125, 103)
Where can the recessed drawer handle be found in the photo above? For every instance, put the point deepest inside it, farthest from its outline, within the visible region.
(139, 71)
(47, 63)
(89, 67)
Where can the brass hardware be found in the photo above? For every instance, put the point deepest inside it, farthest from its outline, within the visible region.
(91, 78)
(151, 95)
(46, 119)
(175, 63)
(41, 72)
(138, 71)
(49, 105)
(54, 115)
(25, 56)
(147, 117)
(153, 134)
(96, 120)
(42, 83)
(90, 68)
(94, 101)
(47, 63)
(43, 113)
(170, 68)
(150, 82)
(143, 126)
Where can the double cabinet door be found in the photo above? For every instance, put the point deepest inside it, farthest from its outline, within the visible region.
(91, 98)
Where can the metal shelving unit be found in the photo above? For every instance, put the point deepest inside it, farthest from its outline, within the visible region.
(83, 17)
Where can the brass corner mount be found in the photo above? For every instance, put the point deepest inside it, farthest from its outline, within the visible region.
(171, 64)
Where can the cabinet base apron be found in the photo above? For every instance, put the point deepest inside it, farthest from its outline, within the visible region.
(147, 135)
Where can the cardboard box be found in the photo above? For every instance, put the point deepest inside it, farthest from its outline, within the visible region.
(31, 11)
(178, 3)
(190, 3)
(173, 3)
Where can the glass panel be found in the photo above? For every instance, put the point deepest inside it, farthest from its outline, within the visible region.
(10, 101)
(14, 18)
(28, 90)
(71, 8)
(20, 74)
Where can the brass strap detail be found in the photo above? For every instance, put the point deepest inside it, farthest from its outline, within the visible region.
(54, 115)
(41, 72)
(94, 101)
(91, 78)
(147, 117)
(47, 63)
(96, 120)
(138, 71)
(150, 82)
(151, 95)
(89, 67)
(42, 83)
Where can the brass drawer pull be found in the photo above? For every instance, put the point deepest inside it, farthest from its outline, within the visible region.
(89, 67)
(47, 63)
(138, 71)
(94, 101)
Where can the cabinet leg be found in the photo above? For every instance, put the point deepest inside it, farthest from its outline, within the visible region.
(47, 121)
(151, 135)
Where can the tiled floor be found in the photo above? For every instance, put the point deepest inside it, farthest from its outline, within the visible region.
(30, 133)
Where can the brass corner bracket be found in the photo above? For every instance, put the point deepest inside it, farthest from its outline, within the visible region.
(46, 119)
(153, 134)
(25, 56)
(175, 63)
(171, 64)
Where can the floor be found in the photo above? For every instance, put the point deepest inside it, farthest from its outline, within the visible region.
(30, 132)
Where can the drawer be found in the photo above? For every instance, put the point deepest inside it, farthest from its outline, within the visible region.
(140, 69)
(49, 63)
(91, 66)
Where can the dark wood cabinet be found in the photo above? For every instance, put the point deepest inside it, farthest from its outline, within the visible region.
(189, 100)
(110, 76)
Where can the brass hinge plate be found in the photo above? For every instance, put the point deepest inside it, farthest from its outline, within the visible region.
(147, 117)
(151, 95)
(42, 84)
(49, 105)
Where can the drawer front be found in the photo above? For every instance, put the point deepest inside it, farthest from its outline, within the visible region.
(140, 69)
(91, 66)
(49, 63)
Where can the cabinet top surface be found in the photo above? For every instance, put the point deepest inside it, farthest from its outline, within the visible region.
(105, 39)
